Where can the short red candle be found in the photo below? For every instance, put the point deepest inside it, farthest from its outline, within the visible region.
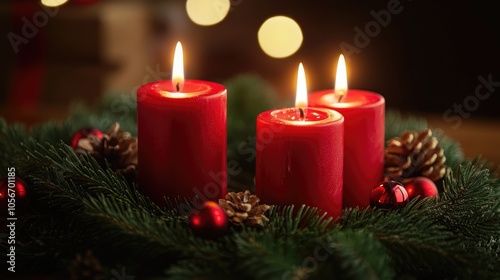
(300, 160)
(182, 140)
(364, 114)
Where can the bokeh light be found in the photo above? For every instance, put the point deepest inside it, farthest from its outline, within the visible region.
(207, 12)
(53, 3)
(280, 36)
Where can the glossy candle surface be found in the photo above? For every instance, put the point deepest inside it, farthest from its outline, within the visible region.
(364, 114)
(182, 140)
(299, 160)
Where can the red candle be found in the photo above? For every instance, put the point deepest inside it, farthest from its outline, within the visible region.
(300, 155)
(364, 136)
(182, 137)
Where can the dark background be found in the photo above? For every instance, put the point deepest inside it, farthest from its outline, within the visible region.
(426, 59)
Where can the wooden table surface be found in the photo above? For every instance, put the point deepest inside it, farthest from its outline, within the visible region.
(476, 135)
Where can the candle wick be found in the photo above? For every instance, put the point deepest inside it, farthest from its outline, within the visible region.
(177, 87)
(341, 97)
(302, 114)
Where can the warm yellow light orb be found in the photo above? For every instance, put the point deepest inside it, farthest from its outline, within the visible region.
(53, 3)
(280, 36)
(207, 12)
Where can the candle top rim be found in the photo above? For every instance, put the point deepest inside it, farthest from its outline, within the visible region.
(356, 98)
(325, 117)
(192, 89)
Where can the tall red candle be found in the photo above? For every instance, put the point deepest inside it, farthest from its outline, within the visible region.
(364, 114)
(181, 129)
(300, 156)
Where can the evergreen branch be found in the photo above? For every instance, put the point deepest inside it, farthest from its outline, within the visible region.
(308, 228)
(85, 173)
(288, 220)
(417, 244)
(272, 252)
(469, 201)
(264, 256)
(356, 255)
(10, 151)
(134, 230)
(191, 269)
(103, 203)
(468, 207)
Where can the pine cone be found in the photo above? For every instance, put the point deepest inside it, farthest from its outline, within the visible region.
(118, 148)
(413, 155)
(85, 267)
(244, 208)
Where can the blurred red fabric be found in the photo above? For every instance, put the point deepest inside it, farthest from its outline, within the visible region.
(30, 66)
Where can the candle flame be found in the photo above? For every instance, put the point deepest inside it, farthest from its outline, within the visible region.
(178, 68)
(301, 95)
(341, 80)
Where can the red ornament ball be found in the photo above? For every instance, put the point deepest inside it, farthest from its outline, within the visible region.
(210, 221)
(85, 133)
(13, 196)
(389, 195)
(421, 186)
